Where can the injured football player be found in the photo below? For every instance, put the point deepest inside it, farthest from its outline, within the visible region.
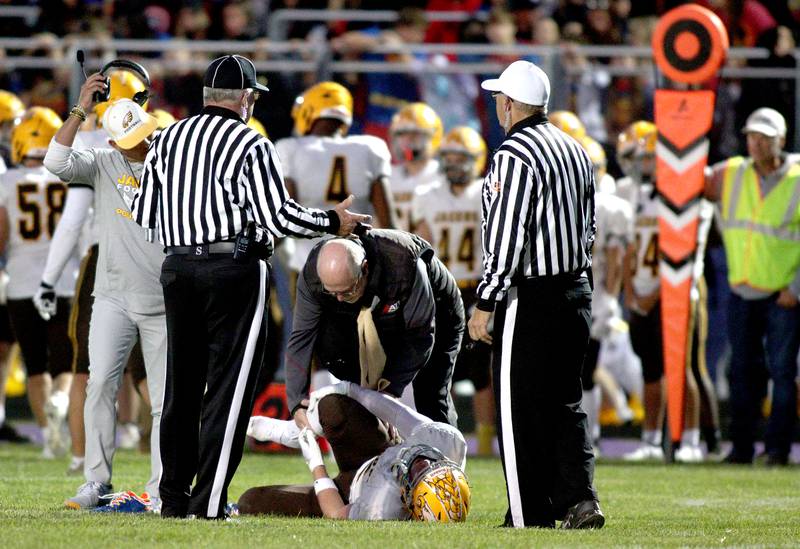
(394, 463)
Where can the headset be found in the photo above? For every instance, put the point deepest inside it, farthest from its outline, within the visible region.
(123, 64)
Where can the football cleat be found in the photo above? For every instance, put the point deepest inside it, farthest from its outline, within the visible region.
(125, 502)
(88, 495)
(689, 454)
(645, 452)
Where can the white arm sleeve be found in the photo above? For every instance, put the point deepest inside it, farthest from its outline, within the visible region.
(68, 231)
(388, 409)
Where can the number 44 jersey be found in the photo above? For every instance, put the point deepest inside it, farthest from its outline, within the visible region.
(327, 169)
(455, 223)
(33, 199)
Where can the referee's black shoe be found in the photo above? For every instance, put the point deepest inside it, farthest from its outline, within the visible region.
(584, 515)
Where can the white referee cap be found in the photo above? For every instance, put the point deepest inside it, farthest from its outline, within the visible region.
(521, 81)
(127, 124)
(766, 121)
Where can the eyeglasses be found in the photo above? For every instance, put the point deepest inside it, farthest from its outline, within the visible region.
(348, 293)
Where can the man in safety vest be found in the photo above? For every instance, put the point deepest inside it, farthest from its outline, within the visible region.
(759, 202)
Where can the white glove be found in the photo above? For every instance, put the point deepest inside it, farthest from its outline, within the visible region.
(3, 287)
(45, 301)
(341, 388)
(268, 429)
(310, 449)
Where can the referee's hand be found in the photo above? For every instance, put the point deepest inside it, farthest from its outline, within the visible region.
(479, 326)
(347, 219)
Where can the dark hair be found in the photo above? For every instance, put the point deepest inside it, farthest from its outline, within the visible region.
(412, 17)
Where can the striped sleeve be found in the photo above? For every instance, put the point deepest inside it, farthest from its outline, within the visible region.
(270, 203)
(144, 208)
(505, 226)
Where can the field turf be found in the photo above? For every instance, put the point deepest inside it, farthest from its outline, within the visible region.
(645, 506)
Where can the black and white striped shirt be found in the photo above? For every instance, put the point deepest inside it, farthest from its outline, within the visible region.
(538, 209)
(207, 176)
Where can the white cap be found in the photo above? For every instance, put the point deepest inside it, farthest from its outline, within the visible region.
(522, 81)
(127, 124)
(766, 121)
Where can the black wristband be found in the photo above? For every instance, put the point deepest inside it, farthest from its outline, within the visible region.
(45, 285)
(333, 228)
(485, 305)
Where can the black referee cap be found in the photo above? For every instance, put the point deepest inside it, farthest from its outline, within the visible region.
(232, 72)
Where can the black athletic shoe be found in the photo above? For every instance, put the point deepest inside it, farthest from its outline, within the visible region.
(737, 459)
(584, 515)
(9, 434)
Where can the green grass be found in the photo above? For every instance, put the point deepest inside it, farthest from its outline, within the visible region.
(645, 506)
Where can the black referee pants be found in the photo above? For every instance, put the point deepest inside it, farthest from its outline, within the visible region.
(540, 339)
(216, 331)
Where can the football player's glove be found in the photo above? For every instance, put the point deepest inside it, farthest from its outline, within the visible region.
(45, 301)
(311, 452)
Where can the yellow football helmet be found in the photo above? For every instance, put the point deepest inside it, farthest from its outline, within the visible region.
(11, 108)
(635, 145)
(596, 154)
(413, 120)
(32, 135)
(257, 126)
(323, 100)
(124, 85)
(466, 141)
(569, 123)
(434, 489)
(164, 118)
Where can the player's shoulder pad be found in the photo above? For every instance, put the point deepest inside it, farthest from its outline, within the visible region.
(375, 144)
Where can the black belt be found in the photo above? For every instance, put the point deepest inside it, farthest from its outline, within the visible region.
(202, 250)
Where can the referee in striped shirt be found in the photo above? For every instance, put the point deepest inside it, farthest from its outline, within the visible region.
(537, 231)
(205, 179)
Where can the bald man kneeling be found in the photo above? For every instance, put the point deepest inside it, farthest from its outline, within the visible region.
(379, 310)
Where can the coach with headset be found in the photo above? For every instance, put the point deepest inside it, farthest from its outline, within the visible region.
(213, 189)
(538, 229)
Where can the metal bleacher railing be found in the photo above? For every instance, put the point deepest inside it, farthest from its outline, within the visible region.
(313, 55)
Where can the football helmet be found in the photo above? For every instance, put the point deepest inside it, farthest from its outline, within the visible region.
(164, 118)
(124, 85)
(323, 100)
(31, 137)
(471, 150)
(257, 126)
(11, 107)
(434, 489)
(569, 123)
(596, 154)
(416, 132)
(636, 148)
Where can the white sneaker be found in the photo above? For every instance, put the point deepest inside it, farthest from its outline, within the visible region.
(689, 454)
(53, 443)
(75, 467)
(128, 436)
(88, 496)
(645, 452)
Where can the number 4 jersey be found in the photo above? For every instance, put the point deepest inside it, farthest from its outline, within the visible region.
(455, 222)
(326, 170)
(33, 199)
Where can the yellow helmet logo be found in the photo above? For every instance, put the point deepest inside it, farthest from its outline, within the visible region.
(569, 123)
(465, 140)
(324, 100)
(441, 495)
(124, 85)
(32, 135)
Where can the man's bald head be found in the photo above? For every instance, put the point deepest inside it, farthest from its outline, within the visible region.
(340, 264)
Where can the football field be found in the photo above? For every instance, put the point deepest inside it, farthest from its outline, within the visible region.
(645, 506)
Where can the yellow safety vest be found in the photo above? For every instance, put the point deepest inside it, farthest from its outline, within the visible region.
(761, 233)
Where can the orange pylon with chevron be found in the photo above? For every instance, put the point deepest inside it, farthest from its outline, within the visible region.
(689, 46)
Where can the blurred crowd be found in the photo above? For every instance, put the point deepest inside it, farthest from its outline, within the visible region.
(587, 86)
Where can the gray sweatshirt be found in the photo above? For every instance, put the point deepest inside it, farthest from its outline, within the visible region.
(129, 266)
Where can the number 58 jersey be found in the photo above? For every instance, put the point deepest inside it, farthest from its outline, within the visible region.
(33, 199)
(326, 170)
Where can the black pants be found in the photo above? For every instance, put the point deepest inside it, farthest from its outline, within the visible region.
(216, 330)
(45, 345)
(541, 336)
(355, 435)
